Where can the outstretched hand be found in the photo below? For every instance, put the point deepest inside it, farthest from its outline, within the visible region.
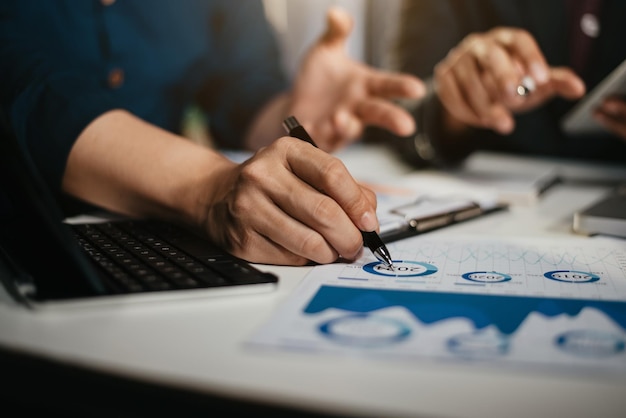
(336, 97)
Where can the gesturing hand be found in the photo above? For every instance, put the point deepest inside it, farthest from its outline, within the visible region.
(477, 80)
(335, 97)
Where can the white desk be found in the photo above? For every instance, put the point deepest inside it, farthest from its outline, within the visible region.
(198, 344)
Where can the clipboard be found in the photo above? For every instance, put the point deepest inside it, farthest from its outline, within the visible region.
(430, 213)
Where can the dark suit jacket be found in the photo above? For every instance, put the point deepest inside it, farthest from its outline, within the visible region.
(430, 28)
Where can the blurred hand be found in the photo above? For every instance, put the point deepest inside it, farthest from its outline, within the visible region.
(612, 114)
(289, 204)
(335, 97)
(477, 81)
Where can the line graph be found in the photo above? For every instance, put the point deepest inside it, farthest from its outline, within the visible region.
(467, 251)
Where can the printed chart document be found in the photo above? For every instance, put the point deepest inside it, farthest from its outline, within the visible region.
(514, 302)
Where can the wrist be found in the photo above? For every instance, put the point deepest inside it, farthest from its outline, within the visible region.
(423, 143)
(208, 188)
(440, 140)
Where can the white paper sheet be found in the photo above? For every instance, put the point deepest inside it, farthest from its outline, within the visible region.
(516, 302)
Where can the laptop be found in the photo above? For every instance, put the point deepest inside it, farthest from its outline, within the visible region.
(47, 262)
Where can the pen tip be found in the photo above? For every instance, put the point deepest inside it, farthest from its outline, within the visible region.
(382, 254)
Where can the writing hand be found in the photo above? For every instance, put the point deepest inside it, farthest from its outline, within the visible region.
(288, 204)
(291, 203)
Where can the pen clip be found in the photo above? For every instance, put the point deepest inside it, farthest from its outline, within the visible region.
(294, 129)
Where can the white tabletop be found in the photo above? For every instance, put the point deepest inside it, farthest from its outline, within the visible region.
(199, 343)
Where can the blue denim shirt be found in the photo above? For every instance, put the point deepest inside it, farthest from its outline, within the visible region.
(64, 62)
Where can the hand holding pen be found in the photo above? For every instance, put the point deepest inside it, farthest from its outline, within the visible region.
(288, 204)
(370, 238)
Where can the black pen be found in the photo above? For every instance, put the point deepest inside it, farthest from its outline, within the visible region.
(370, 239)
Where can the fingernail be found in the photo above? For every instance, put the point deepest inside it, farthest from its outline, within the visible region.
(539, 72)
(369, 222)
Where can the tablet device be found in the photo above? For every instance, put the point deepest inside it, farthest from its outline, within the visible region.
(579, 119)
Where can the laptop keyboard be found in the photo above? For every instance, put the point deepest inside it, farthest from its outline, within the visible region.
(143, 256)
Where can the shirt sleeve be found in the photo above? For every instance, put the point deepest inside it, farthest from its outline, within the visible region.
(45, 102)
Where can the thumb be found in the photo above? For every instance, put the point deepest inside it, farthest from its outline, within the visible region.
(338, 26)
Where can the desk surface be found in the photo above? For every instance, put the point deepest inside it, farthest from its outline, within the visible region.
(197, 344)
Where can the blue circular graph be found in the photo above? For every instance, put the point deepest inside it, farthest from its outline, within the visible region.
(486, 277)
(479, 345)
(365, 330)
(571, 276)
(590, 343)
(401, 269)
